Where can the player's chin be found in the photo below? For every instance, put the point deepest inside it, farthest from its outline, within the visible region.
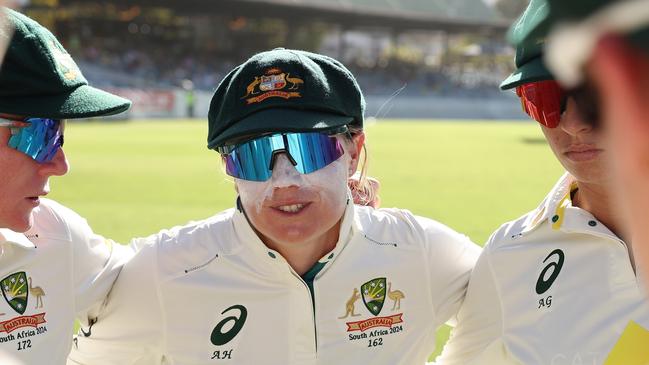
(593, 172)
(20, 221)
(295, 234)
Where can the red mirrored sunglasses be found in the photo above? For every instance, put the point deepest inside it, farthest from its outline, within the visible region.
(544, 101)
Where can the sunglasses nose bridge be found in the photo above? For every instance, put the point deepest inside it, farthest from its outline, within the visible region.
(284, 149)
(279, 152)
(284, 173)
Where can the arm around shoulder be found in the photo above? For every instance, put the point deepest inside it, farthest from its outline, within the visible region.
(477, 337)
(130, 328)
(96, 261)
(451, 257)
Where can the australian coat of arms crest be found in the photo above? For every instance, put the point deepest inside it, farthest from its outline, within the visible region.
(274, 83)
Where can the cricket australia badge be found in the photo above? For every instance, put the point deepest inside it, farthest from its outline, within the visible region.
(14, 290)
(374, 294)
(17, 289)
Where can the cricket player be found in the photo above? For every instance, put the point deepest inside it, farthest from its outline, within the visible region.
(294, 273)
(558, 285)
(605, 45)
(53, 268)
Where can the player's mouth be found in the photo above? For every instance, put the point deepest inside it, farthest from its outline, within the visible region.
(582, 153)
(291, 208)
(36, 200)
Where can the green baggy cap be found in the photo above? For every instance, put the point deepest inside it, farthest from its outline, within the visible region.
(284, 91)
(555, 11)
(529, 54)
(38, 78)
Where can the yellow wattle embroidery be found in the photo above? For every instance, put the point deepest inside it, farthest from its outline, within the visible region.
(561, 208)
(560, 212)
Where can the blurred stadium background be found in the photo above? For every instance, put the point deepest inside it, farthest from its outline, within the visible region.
(413, 58)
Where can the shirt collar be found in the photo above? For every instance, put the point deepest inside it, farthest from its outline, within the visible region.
(552, 208)
(8, 236)
(248, 237)
(557, 210)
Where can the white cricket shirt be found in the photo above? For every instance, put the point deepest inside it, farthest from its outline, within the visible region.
(56, 271)
(212, 293)
(553, 287)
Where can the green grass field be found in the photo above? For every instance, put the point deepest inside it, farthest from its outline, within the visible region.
(132, 179)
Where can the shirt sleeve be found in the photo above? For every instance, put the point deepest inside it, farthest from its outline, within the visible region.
(477, 337)
(129, 329)
(451, 259)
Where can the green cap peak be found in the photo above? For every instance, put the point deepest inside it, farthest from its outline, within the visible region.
(39, 78)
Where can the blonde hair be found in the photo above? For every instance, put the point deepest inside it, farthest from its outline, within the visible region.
(366, 192)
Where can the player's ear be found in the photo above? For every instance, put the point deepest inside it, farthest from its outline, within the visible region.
(355, 148)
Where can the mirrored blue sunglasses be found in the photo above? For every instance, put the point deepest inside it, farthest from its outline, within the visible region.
(254, 159)
(38, 138)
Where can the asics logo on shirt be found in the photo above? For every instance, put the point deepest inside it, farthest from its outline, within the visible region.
(220, 338)
(552, 268)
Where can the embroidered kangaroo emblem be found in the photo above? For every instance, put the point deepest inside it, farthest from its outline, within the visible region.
(349, 307)
(250, 90)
